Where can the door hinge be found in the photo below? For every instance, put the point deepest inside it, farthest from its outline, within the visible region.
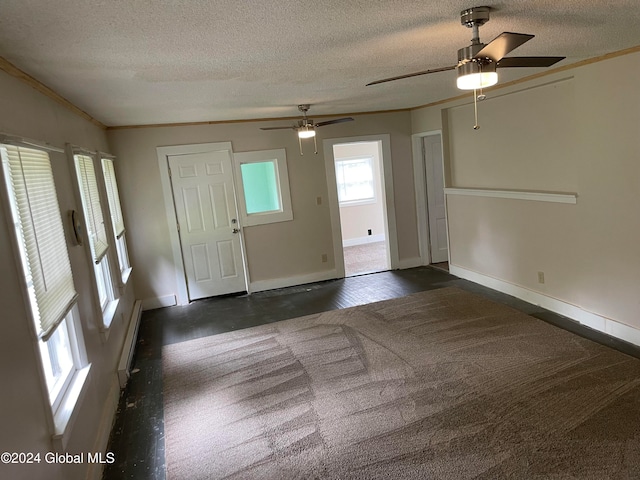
(178, 226)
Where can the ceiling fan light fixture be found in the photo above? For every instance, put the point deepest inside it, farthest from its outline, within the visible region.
(474, 76)
(306, 132)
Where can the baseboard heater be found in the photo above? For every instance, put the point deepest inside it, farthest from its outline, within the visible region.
(128, 349)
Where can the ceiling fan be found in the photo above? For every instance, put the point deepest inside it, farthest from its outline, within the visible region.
(306, 128)
(477, 63)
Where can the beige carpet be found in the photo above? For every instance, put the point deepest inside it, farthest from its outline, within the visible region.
(365, 258)
(438, 385)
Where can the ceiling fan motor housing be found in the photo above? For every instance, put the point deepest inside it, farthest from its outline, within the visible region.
(476, 66)
(466, 54)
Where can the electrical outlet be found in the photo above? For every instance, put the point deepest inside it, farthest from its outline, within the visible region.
(540, 277)
(325, 259)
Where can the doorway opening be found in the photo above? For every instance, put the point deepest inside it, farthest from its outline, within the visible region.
(358, 174)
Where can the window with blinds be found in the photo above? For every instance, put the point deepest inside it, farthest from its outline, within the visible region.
(41, 236)
(91, 205)
(41, 251)
(113, 196)
(117, 220)
(96, 231)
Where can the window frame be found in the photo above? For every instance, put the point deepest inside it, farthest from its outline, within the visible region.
(103, 279)
(279, 159)
(120, 241)
(363, 200)
(65, 395)
(123, 258)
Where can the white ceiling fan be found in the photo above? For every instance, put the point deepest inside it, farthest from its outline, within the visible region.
(477, 62)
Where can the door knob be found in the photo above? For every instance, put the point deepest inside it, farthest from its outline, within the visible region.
(235, 230)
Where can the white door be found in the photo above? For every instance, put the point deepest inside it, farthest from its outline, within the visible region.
(434, 173)
(207, 215)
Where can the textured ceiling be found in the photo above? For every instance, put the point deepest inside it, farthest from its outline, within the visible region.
(133, 62)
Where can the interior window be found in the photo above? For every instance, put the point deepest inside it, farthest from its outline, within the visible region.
(263, 187)
(260, 185)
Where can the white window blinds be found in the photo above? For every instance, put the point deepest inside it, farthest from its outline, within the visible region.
(113, 196)
(91, 205)
(40, 235)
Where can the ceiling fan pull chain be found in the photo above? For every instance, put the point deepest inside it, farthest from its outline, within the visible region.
(481, 96)
(300, 143)
(475, 109)
(315, 145)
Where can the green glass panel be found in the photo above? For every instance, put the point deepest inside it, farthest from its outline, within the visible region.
(260, 184)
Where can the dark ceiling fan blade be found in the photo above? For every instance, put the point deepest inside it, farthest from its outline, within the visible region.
(509, 62)
(337, 120)
(502, 45)
(400, 77)
(277, 128)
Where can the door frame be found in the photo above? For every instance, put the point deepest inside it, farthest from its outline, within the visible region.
(163, 153)
(420, 185)
(388, 205)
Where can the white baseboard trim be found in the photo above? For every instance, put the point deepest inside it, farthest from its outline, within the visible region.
(584, 317)
(271, 284)
(129, 345)
(351, 242)
(410, 263)
(104, 429)
(159, 302)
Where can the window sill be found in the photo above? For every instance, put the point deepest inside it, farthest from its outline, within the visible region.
(126, 274)
(357, 203)
(255, 219)
(67, 412)
(108, 315)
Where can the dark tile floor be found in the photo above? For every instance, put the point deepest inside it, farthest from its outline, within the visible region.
(137, 438)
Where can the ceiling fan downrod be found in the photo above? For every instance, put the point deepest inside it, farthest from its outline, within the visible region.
(306, 124)
(474, 18)
(304, 108)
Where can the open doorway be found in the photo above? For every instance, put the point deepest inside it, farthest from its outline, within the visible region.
(360, 200)
(364, 233)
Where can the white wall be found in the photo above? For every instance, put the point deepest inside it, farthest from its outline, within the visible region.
(276, 252)
(27, 113)
(356, 220)
(573, 131)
